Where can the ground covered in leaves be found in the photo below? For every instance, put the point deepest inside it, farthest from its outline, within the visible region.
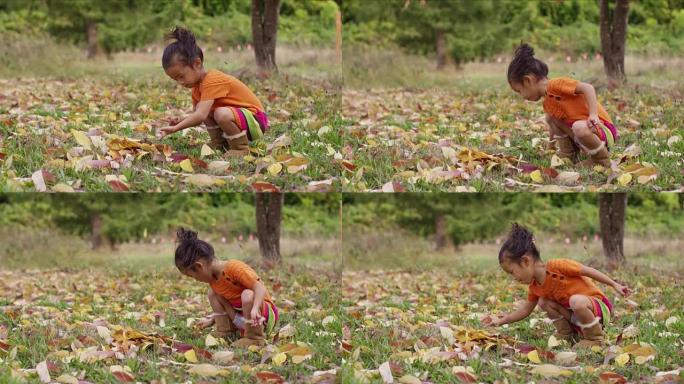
(100, 134)
(489, 139)
(424, 327)
(110, 327)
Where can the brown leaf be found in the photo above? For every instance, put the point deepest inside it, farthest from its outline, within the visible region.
(262, 186)
(118, 186)
(266, 377)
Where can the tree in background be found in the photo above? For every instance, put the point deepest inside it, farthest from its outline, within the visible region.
(612, 209)
(614, 39)
(264, 33)
(268, 209)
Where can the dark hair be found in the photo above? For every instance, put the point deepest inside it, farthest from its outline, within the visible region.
(190, 249)
(520, 242)
(184, 48)
(524, 63)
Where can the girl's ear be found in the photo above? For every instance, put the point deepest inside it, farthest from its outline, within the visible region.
(196, 266)
(528, 80)
(197, 63)
(525, 260)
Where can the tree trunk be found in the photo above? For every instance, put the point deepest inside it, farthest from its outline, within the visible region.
(613, 40)
(442, 239)
(95, 230)
(440, 40)
(91, 34)
(612, 207)
(264, 33)
(269, 207)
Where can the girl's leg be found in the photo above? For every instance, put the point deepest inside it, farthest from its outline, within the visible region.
(561, 134)
(222, 314)
(216, 139)
(560, 316)
(254, 335)
(583, 311)
(591, 144)
(237, 138)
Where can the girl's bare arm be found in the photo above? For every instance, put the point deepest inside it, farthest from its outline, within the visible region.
(603, 278)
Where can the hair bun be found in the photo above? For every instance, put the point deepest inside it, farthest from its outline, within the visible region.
(186, 235)
(182, 35)
(524, 51)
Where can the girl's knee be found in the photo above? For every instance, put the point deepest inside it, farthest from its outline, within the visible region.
(223, 114)
(580, 129)
(247, 296)
(578, 302)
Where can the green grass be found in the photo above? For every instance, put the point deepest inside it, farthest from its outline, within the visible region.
(131, 96)
(396, 303)
(45, 315)
(400, 117)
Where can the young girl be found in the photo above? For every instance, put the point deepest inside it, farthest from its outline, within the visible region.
(235, 289)
(574, 115)
(561, 287)
(231, 112)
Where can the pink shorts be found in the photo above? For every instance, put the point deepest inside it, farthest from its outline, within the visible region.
(606, 131)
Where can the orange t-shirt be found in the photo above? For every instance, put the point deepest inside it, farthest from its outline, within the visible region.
(563, 103)
(235, 278)
(226, 91)
(563, 279)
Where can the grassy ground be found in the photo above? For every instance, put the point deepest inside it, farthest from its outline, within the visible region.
(68, 318)
(67, 124)
(417, 317)
(417, 129)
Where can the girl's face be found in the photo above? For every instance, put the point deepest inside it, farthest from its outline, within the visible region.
(531, 88)
(200, 271)
(186, 75)
(522, 271)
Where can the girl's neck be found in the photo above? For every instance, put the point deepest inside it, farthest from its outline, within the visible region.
(539, 272)
(543, 83)
(217, 268)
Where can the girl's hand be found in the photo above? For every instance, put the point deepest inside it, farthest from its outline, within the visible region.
(622, 289)
(256, 317)
(593, 122)
(492, 320)
(167, 131)
(205, 323)
(173, 120)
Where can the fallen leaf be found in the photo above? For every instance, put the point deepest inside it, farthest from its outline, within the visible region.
(279, 359)
(622, 359)
(262, 186)
(386, 373)
(207, 370)
(186, 165)
(81, 138)
(223, 357)
(266, 377)
(274, 169)
(190, 356)
(565, 358)
(201, 180)
(533, 356)
(550, 370)
(553, 342)
(624, 179)
(536, 176)
(612, 378)
(210, 341)
(43, 373)
(67, 379)
(206, 151)
(38, 181)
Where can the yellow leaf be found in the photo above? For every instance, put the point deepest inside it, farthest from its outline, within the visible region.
(279, 358)
(275, 168)
(533, 356)
(61, 187)
(67, 379)
(201, 180)
(190, 356)
(622, 359)
(550, 370)
(186, 165)
(556, 161)
(206, 151)
(408, 379)
(624, 179)
(536, 176)
(223, 357)
(553, 342)
(210, 341)
(81, 138)
(207, 370)
(298, 359)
